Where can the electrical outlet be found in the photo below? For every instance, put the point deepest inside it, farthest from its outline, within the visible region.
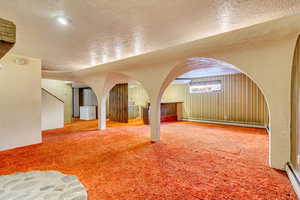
(225, 117)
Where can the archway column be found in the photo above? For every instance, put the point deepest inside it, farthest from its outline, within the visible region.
(98, 85)
(155, 119)
(102, 112)
(101, 85)
(279, 130)
(277, 95)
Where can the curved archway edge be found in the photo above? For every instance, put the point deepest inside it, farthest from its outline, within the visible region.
(268, 65)
(272, 74)
(102, 85)
(265, 73)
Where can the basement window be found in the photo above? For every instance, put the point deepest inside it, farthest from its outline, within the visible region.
(205, 86)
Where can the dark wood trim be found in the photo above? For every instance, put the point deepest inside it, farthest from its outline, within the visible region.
(80, 97)
(168, 112)
(52, 95)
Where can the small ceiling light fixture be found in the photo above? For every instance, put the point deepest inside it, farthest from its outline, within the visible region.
(63, 20)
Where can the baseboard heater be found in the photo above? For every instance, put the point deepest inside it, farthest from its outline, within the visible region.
(224, 123)
(294, 179)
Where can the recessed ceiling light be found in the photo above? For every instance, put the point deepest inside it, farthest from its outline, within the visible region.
(63, 20)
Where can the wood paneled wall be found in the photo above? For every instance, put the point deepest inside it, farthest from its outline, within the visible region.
(168, 109)
(118, 103)
(240, 101)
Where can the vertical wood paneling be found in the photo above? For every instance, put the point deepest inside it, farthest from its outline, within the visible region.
(118, 103)
(168, 109)
(239, 101)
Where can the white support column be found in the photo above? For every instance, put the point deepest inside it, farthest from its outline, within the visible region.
(279, 137)
(155, 120)
(102, 112)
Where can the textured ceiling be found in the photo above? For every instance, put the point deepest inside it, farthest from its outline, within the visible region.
(103, 31)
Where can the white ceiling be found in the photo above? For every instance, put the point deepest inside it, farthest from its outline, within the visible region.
(103, 31)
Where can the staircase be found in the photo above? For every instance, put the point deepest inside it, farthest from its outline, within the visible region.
(52, 111)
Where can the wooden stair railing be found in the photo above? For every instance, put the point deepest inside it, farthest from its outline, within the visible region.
(52, 95)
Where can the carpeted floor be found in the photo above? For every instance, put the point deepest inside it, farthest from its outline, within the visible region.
(192, 161)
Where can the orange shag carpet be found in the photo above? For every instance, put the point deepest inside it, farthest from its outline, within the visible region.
(192, 161)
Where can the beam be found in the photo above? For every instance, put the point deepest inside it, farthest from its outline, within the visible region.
(7, 36)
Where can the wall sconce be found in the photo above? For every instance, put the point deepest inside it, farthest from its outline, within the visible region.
(20, 61)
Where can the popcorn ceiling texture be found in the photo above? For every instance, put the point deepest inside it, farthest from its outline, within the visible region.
(114, 30)
(7, 36)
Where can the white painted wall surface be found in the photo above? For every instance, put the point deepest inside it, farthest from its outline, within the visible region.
(52, 112)
(20, 102)
(63, 91)
(89, 98)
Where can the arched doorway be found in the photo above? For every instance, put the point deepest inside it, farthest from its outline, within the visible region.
(105, 83)
(126, 104)
(206, 65)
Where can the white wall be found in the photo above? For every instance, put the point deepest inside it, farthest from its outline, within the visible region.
(89, 97)
(63, 91)
(52, 112)
(20, 103)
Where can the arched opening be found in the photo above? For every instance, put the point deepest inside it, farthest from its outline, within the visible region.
(209, 91)
(121, 99)
(295, 133)
(126, 104)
